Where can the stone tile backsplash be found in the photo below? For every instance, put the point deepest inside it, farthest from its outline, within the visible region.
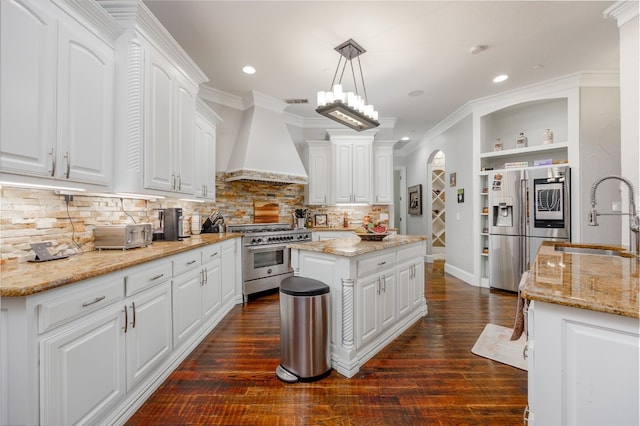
(30, 215)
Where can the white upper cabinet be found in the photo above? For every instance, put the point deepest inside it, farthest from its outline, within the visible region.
(169, 112)
(352, 160)
(57, 83)
(383, 172)
(156, 91)
(205, 151)
(319, 170)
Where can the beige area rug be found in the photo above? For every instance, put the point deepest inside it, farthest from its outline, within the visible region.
(494, 343)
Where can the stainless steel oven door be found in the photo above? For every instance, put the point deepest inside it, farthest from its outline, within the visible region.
(265, 261)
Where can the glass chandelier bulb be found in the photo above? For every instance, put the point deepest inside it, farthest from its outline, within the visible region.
(321, 98)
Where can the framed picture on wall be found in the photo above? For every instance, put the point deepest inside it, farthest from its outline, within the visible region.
(415, 200)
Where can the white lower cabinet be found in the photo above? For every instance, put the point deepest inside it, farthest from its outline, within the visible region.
(91, 352)
(583, 367)
(148, 332)
(82, 369)
(230, 272)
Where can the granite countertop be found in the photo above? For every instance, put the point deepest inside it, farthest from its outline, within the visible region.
(353, 246)
(341, 228)
(29, 278)
(600, 283)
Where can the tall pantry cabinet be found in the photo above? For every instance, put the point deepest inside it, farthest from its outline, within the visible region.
(57, 79)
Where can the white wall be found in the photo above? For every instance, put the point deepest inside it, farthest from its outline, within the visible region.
(226, 133)
(456, 144)
(600, 156)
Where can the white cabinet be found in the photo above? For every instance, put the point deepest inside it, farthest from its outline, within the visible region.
(352, 167)
(382, 172)
(318, 190)
(212, 281)
(583, 367)
(148, 332)
(157, 86)
(205, 151)
(82, 368)
(57, 83)
(170, 119)
(88, 365)
(230, 273)
(376, 294)
(410, 288)
(187, 296)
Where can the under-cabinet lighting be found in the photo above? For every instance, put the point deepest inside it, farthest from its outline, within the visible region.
(193, 200)
(138, 196)
(39, 186)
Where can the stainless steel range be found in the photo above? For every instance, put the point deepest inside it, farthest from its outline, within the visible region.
(266, 259)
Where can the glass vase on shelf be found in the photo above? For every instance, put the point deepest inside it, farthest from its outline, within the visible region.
(547, 137)
(521, 142)
(498, 145)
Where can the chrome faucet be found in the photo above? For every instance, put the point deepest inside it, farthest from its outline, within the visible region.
(634, 221)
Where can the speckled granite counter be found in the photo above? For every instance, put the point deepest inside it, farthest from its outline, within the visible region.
(29, 278)
(601, 283)
(353, 246)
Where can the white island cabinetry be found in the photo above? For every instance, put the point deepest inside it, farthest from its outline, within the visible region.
(583, 367)
(366, 280)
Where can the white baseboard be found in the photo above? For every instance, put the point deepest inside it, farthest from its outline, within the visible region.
(460, 274)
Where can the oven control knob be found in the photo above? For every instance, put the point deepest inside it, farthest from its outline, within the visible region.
(259, 240)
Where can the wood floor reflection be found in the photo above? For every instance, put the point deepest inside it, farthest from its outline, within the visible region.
(428, 376)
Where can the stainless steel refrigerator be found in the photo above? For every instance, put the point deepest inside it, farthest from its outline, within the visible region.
(526, 207)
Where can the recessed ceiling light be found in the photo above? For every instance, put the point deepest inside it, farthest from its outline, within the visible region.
(416, 93)
(248, 69)
(537, 67)
(405, 138)
(500, 78)
(477, 49)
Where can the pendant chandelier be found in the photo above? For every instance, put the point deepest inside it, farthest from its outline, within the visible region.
(349, 109)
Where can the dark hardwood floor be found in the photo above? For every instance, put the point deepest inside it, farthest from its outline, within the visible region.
(428, 376)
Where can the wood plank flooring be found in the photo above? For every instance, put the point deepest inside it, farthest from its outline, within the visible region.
(428, 376)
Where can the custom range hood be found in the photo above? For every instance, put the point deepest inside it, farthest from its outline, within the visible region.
(264, 150)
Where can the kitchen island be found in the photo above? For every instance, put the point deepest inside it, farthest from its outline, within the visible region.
(584, 335)
(377, 291)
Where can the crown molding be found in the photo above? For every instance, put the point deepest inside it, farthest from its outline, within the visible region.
(622, 11)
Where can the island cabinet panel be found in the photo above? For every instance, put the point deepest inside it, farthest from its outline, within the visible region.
(375, 296)
(583, 367)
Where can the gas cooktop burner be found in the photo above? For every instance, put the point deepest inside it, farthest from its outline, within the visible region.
(270, 233)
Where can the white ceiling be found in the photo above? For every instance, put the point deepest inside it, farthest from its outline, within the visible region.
(415, 45)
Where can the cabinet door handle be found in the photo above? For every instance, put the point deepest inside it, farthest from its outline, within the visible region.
(382, 263)
(191, 262)
(173, 182)
(525, 351)
(133, 306)
(68, 158)
(202, 277)
(96, 300)
(214, 254)
(53, 162)
(126, 318)
(179, 183)
(156, 277)
(384, 283)
(206, 275)
(378, 284)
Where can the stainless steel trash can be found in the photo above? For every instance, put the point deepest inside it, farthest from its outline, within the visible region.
(304, 330)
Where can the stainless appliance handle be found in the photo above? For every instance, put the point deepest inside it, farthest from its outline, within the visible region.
(523, 253)
(266, 248)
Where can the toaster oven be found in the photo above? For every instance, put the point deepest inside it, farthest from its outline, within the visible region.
(122, 237)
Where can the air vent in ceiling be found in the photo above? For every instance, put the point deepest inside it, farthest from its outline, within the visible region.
(297, 101)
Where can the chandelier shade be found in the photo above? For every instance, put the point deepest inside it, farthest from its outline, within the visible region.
(349, 109)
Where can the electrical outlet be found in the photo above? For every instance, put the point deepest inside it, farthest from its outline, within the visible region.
(616, 206)
(384, 216)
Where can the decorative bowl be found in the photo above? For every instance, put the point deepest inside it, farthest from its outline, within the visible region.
(372, 237)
